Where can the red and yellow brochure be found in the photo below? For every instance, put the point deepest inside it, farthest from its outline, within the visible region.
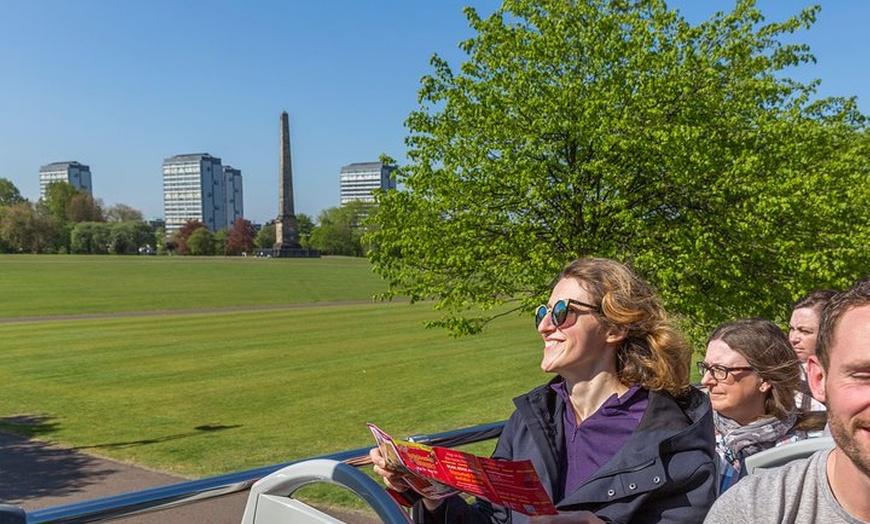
(438, 472)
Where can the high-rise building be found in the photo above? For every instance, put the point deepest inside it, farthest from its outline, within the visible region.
(235, 202)
(197, 187)
(360, 179)
(76, 174)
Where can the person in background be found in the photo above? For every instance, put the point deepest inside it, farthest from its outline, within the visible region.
(751, 375)
(619, 434)
(832, 485)
(803, 328)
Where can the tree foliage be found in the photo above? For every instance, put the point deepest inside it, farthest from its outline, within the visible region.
(56, 199)
(117, 238)
(265, 238)
(23, 228)
(82, 207)
(617, 129)
(9, 193)
(65, 204)
(201, 242)
(240, 238)
(304, 227)
(123, 213)
(90, 238)
(128, 237)
(181, 236)
(340, 230)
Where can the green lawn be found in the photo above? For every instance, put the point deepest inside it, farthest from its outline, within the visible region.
(32, 285)
(200, 394)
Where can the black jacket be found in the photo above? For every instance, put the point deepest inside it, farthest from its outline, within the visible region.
(666, 472)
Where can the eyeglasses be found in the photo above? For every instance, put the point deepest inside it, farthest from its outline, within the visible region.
(560, 310)
(720, 372)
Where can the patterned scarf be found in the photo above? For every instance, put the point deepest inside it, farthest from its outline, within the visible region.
(741, 441)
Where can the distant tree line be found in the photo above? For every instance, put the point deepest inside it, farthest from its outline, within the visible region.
(67, 220)
(70, 221)
(338, 231)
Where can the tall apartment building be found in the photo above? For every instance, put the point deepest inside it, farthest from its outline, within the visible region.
(360, 179)
(197, 187)
(235, 201)
(76, 174)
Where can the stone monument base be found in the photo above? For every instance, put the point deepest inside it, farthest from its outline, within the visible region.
(284, 251)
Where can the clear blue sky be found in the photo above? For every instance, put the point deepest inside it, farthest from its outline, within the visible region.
(121, 85)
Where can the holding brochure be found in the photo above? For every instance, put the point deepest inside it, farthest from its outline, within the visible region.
(618, 434)
(437, 472)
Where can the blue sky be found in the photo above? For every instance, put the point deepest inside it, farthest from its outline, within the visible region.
(121, 85)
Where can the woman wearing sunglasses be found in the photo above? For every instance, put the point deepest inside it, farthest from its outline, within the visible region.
(752, 374)
(618, 435)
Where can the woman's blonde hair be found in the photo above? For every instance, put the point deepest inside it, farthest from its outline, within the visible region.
(653, 353)
(765, 347)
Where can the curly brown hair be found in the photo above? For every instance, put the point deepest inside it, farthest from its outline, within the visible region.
(654, 354)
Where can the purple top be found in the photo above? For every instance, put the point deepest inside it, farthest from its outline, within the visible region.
(591, 444)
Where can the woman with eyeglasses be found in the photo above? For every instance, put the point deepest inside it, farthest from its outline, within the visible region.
(751, 374)
(618, 434)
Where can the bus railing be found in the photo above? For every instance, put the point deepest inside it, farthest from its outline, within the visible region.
(193, 491)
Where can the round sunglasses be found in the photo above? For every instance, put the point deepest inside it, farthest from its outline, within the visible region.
(559, 311)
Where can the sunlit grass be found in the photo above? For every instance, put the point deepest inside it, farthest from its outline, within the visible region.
(33, 285)
(202, 394)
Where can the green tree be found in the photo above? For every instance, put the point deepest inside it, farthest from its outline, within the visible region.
(126, 238)
(304, 228)
(340, 230)
(24, 229)
(66, 206)
(201, 242)
(91, 238)
(220, 242)
(265, 238)
(617, 129)
(56, 200)
(180, 237)
(9, 194)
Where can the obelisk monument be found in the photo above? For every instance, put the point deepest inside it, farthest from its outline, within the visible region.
(286, 232)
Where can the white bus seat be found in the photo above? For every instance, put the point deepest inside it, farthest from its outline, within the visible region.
(270, 500)
(782, 454)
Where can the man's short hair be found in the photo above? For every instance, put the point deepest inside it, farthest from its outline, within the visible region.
(855, 296)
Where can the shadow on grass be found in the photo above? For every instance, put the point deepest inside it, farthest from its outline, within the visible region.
(28, 425)
(198, 430)
(33, 469)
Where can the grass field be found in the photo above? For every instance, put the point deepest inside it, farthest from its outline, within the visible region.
(58, 285)
(200, 394)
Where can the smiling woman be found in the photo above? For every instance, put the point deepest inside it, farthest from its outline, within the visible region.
(596, 432)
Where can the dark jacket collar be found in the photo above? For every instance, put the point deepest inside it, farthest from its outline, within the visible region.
(670, 425)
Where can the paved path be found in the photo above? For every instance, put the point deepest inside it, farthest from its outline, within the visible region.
(36, 475)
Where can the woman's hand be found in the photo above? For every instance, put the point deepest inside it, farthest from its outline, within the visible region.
(393, 479)
(396, 480)
(568, 517)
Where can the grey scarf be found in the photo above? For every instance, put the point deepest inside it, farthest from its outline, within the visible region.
(742, 441)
